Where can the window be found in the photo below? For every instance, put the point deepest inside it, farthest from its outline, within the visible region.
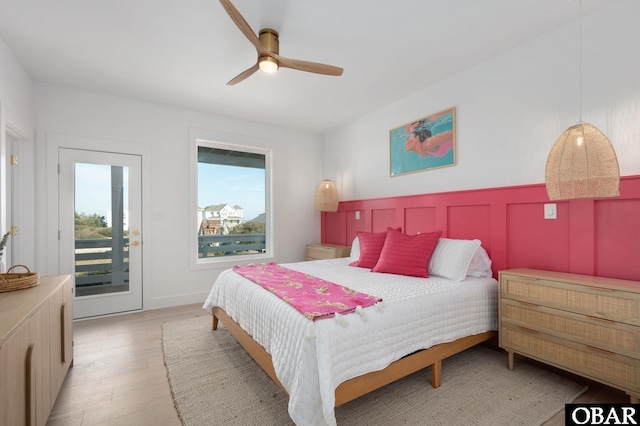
(232, 213)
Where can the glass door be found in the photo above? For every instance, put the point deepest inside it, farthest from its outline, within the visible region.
(101, 238)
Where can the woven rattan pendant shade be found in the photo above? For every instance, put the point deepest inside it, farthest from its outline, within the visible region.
(582, 164)
(327, 197)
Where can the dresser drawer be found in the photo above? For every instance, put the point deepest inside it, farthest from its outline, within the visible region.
(326, 251)
(607, 303)
(613, 369)
(588, 330)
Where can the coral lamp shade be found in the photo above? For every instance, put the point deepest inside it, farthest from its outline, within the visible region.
(582, 164)
(327, 197)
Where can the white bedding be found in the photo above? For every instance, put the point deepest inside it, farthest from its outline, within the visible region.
(312, 358)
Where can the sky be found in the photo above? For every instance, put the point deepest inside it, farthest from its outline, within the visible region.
(243, 186)
(93, 189)
(217, 184)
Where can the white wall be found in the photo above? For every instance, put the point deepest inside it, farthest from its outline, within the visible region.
(509, 112)
(16, 92)
(296, 174)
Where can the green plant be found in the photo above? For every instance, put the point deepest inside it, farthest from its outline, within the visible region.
(3, 243)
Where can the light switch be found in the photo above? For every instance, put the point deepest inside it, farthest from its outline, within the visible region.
(357, 214)
(550, 211)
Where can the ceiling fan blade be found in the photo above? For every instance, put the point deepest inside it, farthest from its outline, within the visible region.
(242, 24)
(307, 66)
(244, 74)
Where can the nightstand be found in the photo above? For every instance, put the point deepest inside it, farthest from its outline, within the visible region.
(327, 251)
(583, 324)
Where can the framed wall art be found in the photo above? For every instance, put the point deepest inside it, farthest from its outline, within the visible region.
(424, 144)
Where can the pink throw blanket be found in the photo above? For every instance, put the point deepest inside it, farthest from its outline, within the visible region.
(314, 297)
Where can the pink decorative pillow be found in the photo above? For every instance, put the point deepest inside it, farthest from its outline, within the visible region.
(407, 254)
(371, 244)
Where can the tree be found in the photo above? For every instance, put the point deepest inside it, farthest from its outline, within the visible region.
(249, 228)
(91, 226)
(92, 221)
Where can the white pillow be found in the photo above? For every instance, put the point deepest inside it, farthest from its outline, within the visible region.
(480, 265)
(355, 250)
(451, 258)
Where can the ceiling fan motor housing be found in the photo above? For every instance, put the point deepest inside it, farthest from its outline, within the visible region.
(270, 41)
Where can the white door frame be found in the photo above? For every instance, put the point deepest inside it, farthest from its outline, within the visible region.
(20, 199)
(54, 143)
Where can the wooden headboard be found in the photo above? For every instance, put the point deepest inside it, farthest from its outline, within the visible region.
(590, 236)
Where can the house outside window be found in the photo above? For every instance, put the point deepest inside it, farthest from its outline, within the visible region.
(233, 202)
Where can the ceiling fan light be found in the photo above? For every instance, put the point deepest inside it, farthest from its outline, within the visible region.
(268, 64)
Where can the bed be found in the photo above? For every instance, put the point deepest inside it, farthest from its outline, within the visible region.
(325, 363)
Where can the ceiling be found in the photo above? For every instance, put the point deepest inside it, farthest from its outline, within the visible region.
(182, 53)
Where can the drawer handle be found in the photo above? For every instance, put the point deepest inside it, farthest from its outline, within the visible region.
(600, 319)
(593, 348)
(529, 330)
(600, 288)
(63, 333)
(30, 378)
(524, 280)
(527, 303)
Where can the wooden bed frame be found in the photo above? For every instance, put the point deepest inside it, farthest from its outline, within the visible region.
(361, 385)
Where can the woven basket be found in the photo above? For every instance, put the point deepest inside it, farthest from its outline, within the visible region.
(11, 281)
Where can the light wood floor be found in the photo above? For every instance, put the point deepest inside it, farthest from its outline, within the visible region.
(118, 375)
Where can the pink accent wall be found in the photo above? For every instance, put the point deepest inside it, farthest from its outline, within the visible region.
(590, 236)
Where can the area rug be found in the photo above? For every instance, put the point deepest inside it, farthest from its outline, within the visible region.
(215, 382)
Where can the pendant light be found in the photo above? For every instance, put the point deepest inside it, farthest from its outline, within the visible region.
(582, 162)
(327, 197)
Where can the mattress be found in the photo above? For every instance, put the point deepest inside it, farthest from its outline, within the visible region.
(312, 358)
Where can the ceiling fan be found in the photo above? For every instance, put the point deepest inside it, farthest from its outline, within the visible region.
(267, 46)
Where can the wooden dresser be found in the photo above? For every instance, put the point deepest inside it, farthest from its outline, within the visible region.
(327, 251)
(36, 349)
(583, 324)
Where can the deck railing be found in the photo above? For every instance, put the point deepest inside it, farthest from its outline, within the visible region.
(223, 245)
(94, 263)
(95, 259)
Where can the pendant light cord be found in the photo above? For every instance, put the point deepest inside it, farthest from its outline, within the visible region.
(580, 59)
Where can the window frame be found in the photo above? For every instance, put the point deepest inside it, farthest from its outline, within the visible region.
(242, 144)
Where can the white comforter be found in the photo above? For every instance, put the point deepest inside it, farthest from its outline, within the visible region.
(312, 358)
